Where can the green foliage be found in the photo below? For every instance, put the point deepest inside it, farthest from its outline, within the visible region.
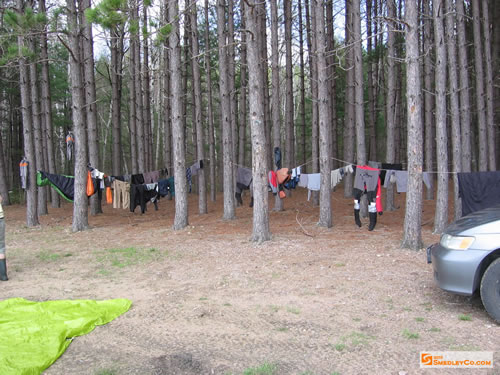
(108, 13)
(410, 335)
(464, 317)
(133, 27)
(163, 33)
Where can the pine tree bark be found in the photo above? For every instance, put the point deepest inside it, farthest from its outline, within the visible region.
(243, 90)
(302, 91)
(211, 134)
(132, 107)
(311, 44)
(229, 213)
(454, 103)
(37, 129)
(465, 109)
(47, 108)
(480, 103)
(349, 100)
(428, 46)
(289, 112)
(139, 98)
(358, 85)
(200, 139)
(116, 46)
(181, 203)
(4, 188)
(90, 103)
(371, 116)
(275, 96)
(146, 88)
(28, 138)
(231, 77)
(412, 234)
(441, 216)
(332, 97)
(390, 155)
(325, 209)
(261, 231)
(80, 205)
(490, 119)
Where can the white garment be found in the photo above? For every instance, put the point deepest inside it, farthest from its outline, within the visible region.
(314, 181)
(97, 174)
(336, 177)
(304, 178)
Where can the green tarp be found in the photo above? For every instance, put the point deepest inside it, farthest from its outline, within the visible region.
(34, 334)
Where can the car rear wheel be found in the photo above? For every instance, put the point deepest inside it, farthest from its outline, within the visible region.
(490, 290)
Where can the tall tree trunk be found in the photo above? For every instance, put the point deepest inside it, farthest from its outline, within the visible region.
(37, 129)
(4, 188)
(465, 109)
(80, 206)
(47, 107)
(148, 139)
(265, 86)
(454, 104)
(371, 117)
(211, 138)
(91, 103)
(275, 105)
(358, 85)
(332, 101)
(225, 113)
(139, 103)
(349, 100)
(325, 209)
(490, 119)
(428, 96)
(302, 90)
(481, 108)
(441, 216)
(181, 203)
(412, 234)
(243, 89)
(200, 139)
(231, 78)
(116, 79)
(133, 108)
(311, 43)
(261, 231)
(289, 126)
(390, 155)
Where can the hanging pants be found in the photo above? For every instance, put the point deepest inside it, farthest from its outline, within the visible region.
(121, 197)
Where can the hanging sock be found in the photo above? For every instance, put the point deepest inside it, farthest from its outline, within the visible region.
(356, 218)
(373, 221)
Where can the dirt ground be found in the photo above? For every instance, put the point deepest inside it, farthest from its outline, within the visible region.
(207, 301)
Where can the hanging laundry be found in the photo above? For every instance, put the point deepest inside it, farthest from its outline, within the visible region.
(137, 179)
(375, 164)
(70, 145)
(189, 178)
(121, 198)
(313, 183)
(277, 157)
(304, 179)
(336, 176)
(367, 181)
(273, 182)
(166, 186)
(151, 177)
(427, 178)
(196, 167)
(243, 182)
(389, 166)
(23, 172)
(140, 195)
(401, 179)
(478, 190)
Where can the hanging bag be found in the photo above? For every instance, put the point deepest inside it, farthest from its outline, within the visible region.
(90, 185)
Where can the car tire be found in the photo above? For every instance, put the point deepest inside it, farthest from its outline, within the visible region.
(490, 290)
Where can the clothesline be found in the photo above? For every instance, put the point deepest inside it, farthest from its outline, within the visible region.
(383, 169)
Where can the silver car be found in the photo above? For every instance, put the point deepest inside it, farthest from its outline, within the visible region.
(467, 258)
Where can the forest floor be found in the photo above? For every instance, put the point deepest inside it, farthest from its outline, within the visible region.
(206, 300)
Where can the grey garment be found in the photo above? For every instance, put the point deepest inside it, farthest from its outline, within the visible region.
(239, 190)
(427, 178)
(304, 180)
(388, 176)
(127, 178)
(23, 173)
(375, 164)
(2, 236)
(366, 177)
(244, 176)
(336, 177)
(151, 177)
(150, 187)
(401, 181)
(195, 168)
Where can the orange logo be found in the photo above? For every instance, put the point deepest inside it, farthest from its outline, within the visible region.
(426, 359)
